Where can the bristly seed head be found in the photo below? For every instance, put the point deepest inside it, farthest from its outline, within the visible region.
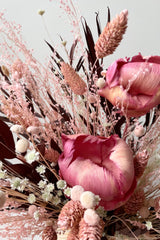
(77, 85)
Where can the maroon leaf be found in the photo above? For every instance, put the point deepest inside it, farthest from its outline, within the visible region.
(7, 146)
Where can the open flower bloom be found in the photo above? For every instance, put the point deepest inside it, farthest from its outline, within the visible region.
(101, 165)
(133, 85)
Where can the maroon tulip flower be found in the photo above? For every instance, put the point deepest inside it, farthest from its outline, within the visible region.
(101, 165)
(133, 85)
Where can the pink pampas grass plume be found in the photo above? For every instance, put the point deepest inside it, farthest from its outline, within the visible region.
(112, 35)
(74, 81)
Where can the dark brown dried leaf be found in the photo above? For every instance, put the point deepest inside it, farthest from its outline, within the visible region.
(7, 146)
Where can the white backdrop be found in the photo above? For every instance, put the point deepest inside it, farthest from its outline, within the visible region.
(143, 33)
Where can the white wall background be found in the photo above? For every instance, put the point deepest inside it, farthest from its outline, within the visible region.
(143, 33)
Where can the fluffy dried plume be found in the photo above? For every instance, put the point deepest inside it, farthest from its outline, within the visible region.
(112, 35)
(75, 82)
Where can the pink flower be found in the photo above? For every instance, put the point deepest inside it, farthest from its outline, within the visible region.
(103, 166)
(133, 85)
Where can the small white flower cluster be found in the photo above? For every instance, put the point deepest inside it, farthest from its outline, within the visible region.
(47, 189)
(62, 185)
(46, 192)
(18, 183)
(32, 156)
(31, 198)
(41, 169)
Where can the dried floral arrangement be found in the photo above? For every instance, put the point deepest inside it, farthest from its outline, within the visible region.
(78, 139)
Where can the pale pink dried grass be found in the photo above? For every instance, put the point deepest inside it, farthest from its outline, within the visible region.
(112, 35)
(75, 82)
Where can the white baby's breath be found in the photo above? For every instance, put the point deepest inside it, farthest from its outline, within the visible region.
(31, 198)
(149, 225)
(42, 184)
(23, 183)
(15, 182)
(56, 200)
(41, 169)
(67, 192)
(32, 156)
(3, 174)
(49, 187)
(47, 196)
(61, 184)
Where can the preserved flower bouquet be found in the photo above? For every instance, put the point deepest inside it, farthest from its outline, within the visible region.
(78, 139)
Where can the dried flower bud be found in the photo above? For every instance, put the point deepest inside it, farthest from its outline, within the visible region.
(2, 199)
(91, 217)
(139, 131)
(103, 73)
(32, 209)
(41, 12)
(88, 199)
(64, 43)
(5, 70)
(33, 130)
(100, 83)
(22, 145)
(77, 85)
(76, 192)
(17, 128)
(111, 35)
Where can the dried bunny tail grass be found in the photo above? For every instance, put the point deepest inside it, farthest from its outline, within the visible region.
(70, 215)
(112, 35)
(49, 233)
(87, 231)
(77, 85)
(135, 202)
